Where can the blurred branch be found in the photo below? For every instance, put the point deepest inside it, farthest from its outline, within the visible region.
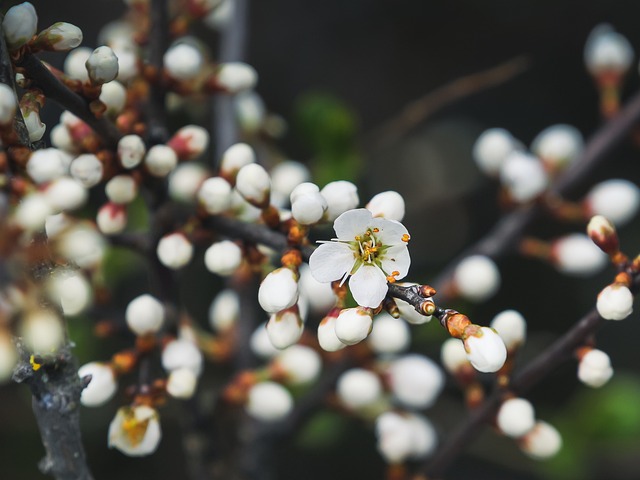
(158, 42)
(419, 110)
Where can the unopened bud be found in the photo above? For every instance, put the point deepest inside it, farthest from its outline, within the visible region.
(215, 195)
(278, 291)
(523, 176)
(254, 184)
(223, 258)
(558, 146)
(144, 315)
(541, 442)
(174, 250)
(492, 148)
(602, 232)
(161, 160)
(477, 278)
(358, 388)
(453, 355)
(65, 194)
(340, 196)
(285, 328)
(516, 417)
(102, 386)
(415, 380)
(59, 37)
(615, 302)
(512, 328)
(300, 364)
(594, 368)
(131, 151)
(19, 25)
(607, 51)
(182, 383)
(182, 354)
(269, 401)
(102, 65)
(45, 165)
(389, 335)
(114, 97)
(121, 189)
(87, 169)
(327, 337)
(618, 200)
(576, 254)
(8, 104)
(354, 325)
(75, 63)
(183, 61)
(485, 349)
(189, 142)
(389, 205)
(234, 158)
(235, 77)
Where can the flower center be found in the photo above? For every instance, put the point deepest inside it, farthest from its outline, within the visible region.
(368, 246)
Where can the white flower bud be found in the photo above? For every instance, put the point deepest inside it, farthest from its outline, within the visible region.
(75, 64)
(87, 169)
(358, 388)
(594, 368)
(185, 181)
(269, 401)
(160, 160)
(127, 63)
(285, 177)
(42, 331)
(278, 290)
(615, 302)
(235, 77)
(144, 315)
(327, 337)
(340, 196)
(66, 194)
(182, 383)
(261, 346)
(607, 51)
(224, 310)
(121, 189)
(415, 380)
(523, 176)
(512, 328)
(389, 205)
(60, 37)
(389, 335)
(558, 146)
(319, 295)
(215, 195)
(300, 364)
(250, 111)
(8, 104)
(453, 355)
(174, 250)
(353, 325)
(189, 142)
(102, 65)
(19, 25)
(223, 258)
(117, 33)
(111, 218)
(34, 125)
(114, 96)
(284, 328)
(425, 438)
(183, 61)
(72, 291)
(485, 349)
(302, 189)
(254, 184)
(131, 151)
(576, 254)
(516, 417)
(61, 138)
(477, 278)
(220, 16)
(403, 436)
(492, 148)
(45, 165)
(102, 386)
(617, 200)
(56, 224)
(182, 354)
(308, 209)
(542, 442)
(135, 431)
(8, 356)
(234, 158)
(83, 245)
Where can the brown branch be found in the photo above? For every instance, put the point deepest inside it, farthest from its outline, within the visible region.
(419, 110)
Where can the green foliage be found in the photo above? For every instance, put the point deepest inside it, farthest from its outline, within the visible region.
(323, 431)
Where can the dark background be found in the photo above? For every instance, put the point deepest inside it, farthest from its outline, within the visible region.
(374, 57)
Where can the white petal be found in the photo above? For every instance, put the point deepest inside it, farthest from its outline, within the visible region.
(331, 261)
(368, 286)
(396, 259)
(391, 232)
(352, 223)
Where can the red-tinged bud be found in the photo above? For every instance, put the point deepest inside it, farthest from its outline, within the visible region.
(189, 142)
(603, 234)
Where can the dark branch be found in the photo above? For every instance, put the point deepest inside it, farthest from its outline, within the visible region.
(157, 131)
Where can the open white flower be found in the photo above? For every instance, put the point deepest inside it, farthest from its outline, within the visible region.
(372, 250)
(135, 431)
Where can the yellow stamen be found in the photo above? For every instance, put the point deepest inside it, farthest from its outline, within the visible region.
(35, 365)
(406, 237)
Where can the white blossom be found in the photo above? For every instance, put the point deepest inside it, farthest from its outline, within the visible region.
(189, 142)
(102, 386)
(542, 441)
(111, 218)
(75, 63)
(477, 278)
(389, 335)
(174, 250)
(485, 349)
(260, 343)
(309, 208)
(185, 182)
(327, 337)
(65, 193)
(131, 151)
(223, 258)
(236, 77)
(576, 254)
(516, 417)
(278, 290)
(254, 184)
(389, 205)
(594, 368)
(182, 353)
(353, 325)
(102, 65)
(135, 431)
(72, 291)
(492, 148)
(160, 160)
(558, 145)
(617, 199)
(183, 61)
(224, 310)
(87, 169)
(615, 302)
(215, 195)
(182, 383)
(370, 250)
(19, 25)
(453, 355)
(341, 196)
(285, 328)
(523, 176)
(114, 97)
(285, 177)
(300, 364)
(358, 388)
(144, 315)
(234, 158)
(269, 401)
(607, 51)
(512, 328)
(415, 380)
(42, 331)
(45, 165)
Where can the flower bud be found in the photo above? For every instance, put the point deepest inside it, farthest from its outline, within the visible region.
(453, 355)
(234, 158)
(32, 211)
(516, 417)
(83, 245)
(340, 196)
(182, 354)
(102, 386)
(174, 250)
(183, 61)
(389, 205)
(215, 195)
(114, 97)
(577, 255)
(235, 77)
(102, 65)
(65, 194)
(512, 328)
(353, 325)
(72, 291)
(182, 383)
(327, 337)
(492, 148)
(300, 364)
(617, 200)
(251, 113)
(278, 290)
(308, 209)
(75, 64)
(403, 436)
(223, 258)
(19, 25)
(185, 181)
(121, 189)
(477, 278)
(87, 169)
(160, 160)
(111, 218)
(144, 315)
(56, 224)
(541, 442)
(285, 328)
(45, 165)
(358, 388)
(558, 146)
(61, 139)
(594, 368)
(261, 346)
(389, 335)
(415, 380)
(220, 17)
(269, 401)
(42, 331)
(59, 37)
(224, 310)
(254, 184)
(319, 295)
(523, 176)
(128, 59)
(485, 349)
(602, 232)
(285, 177)
(615, 302)
(135, 431)
(131, 151)
(189, 142)
(34, 125)
(607, 51)
(8, 104)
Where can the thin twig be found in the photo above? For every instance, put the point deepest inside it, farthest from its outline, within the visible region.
(157, 131)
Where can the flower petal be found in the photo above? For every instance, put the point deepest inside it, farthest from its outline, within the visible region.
(352, 223)
(391, 232)
(331, 261)
(397, 259)
(368, 286)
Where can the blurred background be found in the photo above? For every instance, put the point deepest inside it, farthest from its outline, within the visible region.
(336, 71)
